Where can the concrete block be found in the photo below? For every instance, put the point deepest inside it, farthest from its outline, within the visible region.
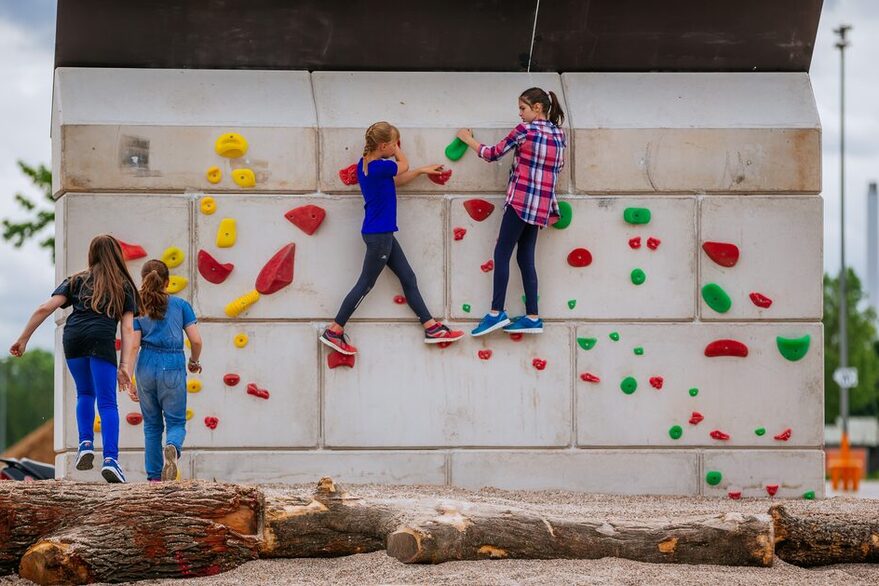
(751, 471)
(406, 467)
(403, 393)
(602, 290)
(420, 105)
(327, 263)
(735, 395)
(132, 465)
(661, 472)
(155, 129)
(772, 234)
(694, 132)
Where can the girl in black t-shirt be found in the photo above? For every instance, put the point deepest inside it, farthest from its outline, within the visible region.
(101, 297)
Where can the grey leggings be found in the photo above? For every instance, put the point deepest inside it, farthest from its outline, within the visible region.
(383, 249)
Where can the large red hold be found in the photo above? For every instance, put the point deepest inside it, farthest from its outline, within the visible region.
(725, 254)
(580, 257)
(348, 175)
(771, 489)
(335, 359)
(278, 272)
(253, 389)
(726, 348)
(760, 300)
(307, 218)
(231, 379)
(131, 251)
(719, 435)
(441, 178)
(784, 435)
(479, 209)
(211, 269)
(134, 418)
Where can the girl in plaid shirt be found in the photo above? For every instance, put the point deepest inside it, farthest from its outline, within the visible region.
(539, 144)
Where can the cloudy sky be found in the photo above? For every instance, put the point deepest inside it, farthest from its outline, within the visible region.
(26, 48)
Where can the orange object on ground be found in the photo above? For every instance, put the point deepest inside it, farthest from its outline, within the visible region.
(844, 468)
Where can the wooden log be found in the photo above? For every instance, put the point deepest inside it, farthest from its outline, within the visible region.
(825, 538)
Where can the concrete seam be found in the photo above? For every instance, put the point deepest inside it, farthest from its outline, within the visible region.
(572, 348)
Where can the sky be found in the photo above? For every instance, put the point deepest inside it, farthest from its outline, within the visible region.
(26, 60)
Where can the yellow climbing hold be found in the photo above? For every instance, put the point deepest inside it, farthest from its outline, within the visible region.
(173, 257)
(97, 425)
(236, 307)
(240, 340)
(176, 284)
(244, 177)
(193, 385)
(189, 414)
(187, 343)
(214, 174)
(231, 145)
(227, 233)
(208, 205)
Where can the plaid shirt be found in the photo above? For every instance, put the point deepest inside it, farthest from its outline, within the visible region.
(539, 158)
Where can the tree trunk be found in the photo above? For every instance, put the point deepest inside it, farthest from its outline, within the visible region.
(819, 540)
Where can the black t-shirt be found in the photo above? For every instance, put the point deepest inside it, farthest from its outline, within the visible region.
(87, 332)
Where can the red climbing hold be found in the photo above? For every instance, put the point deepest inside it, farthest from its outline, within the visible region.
(635, 242)
(735, 494)
(719, 435)
(771, 489)
(484, 354)
(723, 253)
(516, 337)
(254, 390)
(131, 251)
(211, 422)
(580, 257)
(211, 269)
(134, 418)
(118, 344)
(538, 363)
(726, 348)
(784, 435)
(656, 382)
(487, 266)
(695, 418)
(479, 209)
(335, 359)
(459, 233)
(588, 377)
(441, 178)
(231, 379)
(399, 299)
(760, 300)
(278, 272)
(653, 243)
(307, 218)
(348, 175)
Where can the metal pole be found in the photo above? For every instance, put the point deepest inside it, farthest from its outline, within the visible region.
(4, 392)
(843, 310)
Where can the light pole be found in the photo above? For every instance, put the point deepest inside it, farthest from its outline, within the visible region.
(843, 310)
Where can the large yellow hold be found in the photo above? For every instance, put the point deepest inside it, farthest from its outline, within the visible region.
(236, 307)
(227, 233)
(176, 284)
(244, 177)
(231, 145)
(173, 257)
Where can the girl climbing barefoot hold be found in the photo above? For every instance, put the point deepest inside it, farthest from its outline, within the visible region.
(378, 177)
(539, 144)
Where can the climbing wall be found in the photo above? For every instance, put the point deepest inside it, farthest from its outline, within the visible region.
(682, 352)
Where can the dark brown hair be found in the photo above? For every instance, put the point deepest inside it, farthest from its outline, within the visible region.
(154, 275)
(103, 284)
(551, 106)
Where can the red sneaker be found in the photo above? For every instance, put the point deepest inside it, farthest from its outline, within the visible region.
(440, 333)
(338, 342)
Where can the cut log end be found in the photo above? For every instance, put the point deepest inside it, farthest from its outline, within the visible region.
(51, 562)
(404, 545)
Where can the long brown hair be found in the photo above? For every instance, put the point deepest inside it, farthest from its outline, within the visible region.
(103, 284)
(378, 133)
(551, 106)
(154, 275)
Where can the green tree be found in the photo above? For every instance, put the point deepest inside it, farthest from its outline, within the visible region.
(27, 383)
(20, 232)
(862, 348)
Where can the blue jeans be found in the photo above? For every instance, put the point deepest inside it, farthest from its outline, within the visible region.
(95, 380)
(161, 387)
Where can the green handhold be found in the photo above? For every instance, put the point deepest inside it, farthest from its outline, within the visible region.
(638, 276)
(615, 336)
(793, 348)
(456, 149)
(716, 298)
(713, 477)
(675, 432)
(639, 351)
(587, 343)
(694, 391)
(566, 213)
(636, 215)
(572, 303)
(760, 431)
(629, 385)
(466, 308)
(809, 495)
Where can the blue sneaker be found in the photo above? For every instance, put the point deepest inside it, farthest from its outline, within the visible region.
(85, 456)
(525, 325)
(112, 472)
(490, 323)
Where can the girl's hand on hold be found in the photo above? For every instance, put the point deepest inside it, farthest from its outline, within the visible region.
(194, 366)
(465, 134)
(18, 348)
(432, 169)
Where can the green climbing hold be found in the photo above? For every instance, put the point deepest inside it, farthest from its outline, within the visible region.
(713, 477)
(566, 213)
(716, 298)
(760, 431)
(639, 351)
(587, 343)
(615, 336)
(809, 495)
(572, 303)
(636, 215)
(466, 308)
(675, 432)
(793, 348)
(694, 391)
(456, 149)
(638, 276)
(629, 385)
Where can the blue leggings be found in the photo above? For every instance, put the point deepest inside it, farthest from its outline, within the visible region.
(515, 233)
(96, 380)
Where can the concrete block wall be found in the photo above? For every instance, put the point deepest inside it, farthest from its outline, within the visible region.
(731, 158)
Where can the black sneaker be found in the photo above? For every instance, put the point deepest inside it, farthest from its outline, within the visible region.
(338, 342)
